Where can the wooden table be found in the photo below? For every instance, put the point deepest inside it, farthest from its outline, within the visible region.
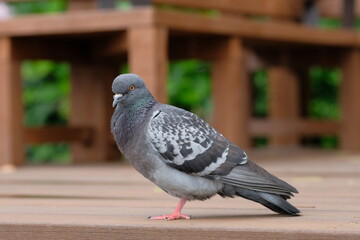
(113, 202)
(96, 42)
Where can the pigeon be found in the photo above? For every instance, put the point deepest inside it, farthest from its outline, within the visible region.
(186, 157)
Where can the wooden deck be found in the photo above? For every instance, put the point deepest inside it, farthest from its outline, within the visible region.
(113, 202)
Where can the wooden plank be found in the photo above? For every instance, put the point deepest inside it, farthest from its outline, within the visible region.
(11, 107)
(115, 20)
(63, 48)
(270, 30)
(56, 49)
(350, 99)
(192, 47)
(114, 232)
(272, 8)
(58, 134)
(112, 201)
(109, 46)
(107, 71)
(280, 128)
(277, 8)
(111, 20)
(231, 89)
(148, 57)
(75, 22)
(283, 102)
(90, 96)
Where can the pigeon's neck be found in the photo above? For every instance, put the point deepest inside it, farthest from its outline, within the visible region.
(132, 119)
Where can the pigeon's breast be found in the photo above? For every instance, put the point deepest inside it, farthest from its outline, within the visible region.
(140, 155)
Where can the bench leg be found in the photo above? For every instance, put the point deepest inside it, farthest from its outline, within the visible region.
(11, 107)
(91, 97)
(284, 102)
(148, 57)
(231, 92)
(350, 102)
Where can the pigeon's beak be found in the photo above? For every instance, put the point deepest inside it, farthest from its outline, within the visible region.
(116, 99)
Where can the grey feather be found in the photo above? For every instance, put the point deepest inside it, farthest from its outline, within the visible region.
(184, 155)
(186, 142)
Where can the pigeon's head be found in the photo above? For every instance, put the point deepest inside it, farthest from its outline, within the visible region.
(129, 89)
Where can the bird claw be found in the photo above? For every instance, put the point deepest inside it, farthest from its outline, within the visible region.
(170, 217)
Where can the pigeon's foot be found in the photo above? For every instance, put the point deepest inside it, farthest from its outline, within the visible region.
(174, 216)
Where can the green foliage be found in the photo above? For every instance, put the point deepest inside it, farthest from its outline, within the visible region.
(49, 153)
(324, 92)
(46, 100)
(260, 101)
(48, 7)
(46, 91)
(329, 23)
(260, 93)
(324, 102)
(189, 86)
(53, 6)
(123, 4)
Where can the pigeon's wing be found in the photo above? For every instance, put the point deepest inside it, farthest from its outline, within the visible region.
(253, 177)
(189, 144)
(186, 142)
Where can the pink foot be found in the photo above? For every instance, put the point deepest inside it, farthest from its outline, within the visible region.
(170, 217)
(176, 215)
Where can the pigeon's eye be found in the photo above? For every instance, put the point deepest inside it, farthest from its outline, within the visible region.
(132, 88)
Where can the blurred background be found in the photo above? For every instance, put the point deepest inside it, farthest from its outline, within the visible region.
(47, 89)
(280, 78)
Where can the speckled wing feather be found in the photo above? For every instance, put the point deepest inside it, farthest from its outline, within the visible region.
(189, 144)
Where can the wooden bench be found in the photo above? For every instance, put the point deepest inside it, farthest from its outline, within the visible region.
(96, 42)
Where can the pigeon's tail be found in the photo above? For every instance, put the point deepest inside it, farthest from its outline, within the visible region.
(252, 182)
(274, 202)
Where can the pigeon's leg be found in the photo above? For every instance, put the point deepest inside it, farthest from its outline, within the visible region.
(176, 215)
